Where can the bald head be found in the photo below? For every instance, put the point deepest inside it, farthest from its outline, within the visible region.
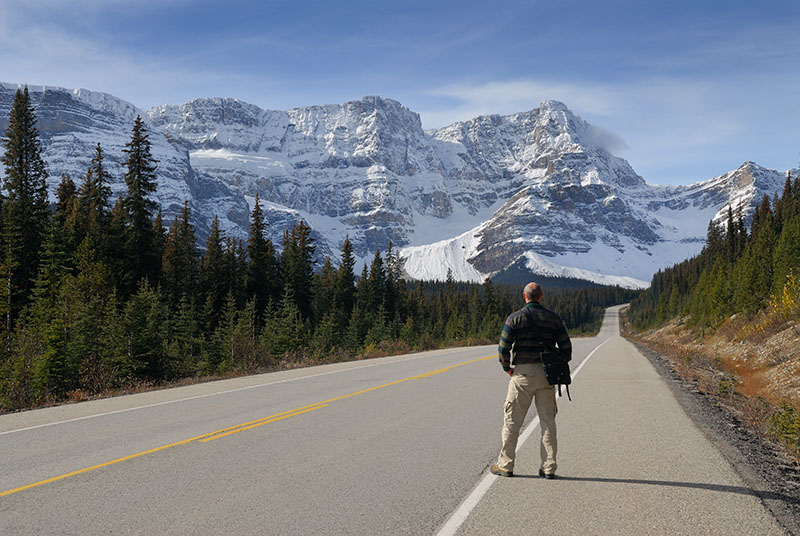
(532, 292)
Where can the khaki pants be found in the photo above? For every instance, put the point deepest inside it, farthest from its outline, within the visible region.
(526, 385)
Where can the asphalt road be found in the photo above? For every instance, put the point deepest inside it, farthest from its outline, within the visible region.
(385, 446)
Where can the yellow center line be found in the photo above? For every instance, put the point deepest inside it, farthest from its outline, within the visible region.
(210, 436)
(270, 418)
(99, 466)
(242, 429)
(451, 367)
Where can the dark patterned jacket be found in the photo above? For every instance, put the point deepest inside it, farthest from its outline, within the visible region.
(526, 340)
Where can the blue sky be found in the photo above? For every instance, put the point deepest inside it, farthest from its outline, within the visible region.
(689, 89)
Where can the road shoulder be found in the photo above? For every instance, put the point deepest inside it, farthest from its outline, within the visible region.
(769, 475)
(630, 462)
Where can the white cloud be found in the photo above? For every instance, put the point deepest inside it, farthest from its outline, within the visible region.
(606, 139)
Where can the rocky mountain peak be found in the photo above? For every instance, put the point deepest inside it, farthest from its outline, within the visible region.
(538, 190)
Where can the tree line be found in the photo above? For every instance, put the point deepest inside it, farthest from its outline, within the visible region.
(738, 271)
(99, 294)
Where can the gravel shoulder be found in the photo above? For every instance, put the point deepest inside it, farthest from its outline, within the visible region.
(773, 478)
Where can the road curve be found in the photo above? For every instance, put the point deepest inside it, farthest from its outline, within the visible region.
(385, 446)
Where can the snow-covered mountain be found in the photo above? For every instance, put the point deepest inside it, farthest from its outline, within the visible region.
(534, 191)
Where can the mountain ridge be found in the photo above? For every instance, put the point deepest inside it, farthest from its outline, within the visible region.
(537, 187)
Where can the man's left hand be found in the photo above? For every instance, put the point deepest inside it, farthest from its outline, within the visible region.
(510, 372)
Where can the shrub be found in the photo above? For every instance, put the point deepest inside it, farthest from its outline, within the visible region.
(784, 426)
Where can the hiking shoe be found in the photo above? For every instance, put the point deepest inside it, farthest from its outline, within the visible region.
(550, 476)
(499, 472)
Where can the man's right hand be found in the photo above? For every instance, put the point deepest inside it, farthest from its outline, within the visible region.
(510, 372)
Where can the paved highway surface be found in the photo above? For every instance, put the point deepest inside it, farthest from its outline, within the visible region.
(399, 445)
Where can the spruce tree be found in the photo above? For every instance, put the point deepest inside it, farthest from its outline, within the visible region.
(146, 322)
(325, 286)
(115, 245)
(235, 269)
(260, 278)
(179, 270)
(786, 256)
(298, 266)
(213, 286)
(94, 201)
(344, 296)
(140, 179)
(25, 208)
(376, 283)
(394, 282)
(66, 193)
(85, 298)
(288, 333)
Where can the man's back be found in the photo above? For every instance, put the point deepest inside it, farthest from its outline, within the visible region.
(532, 330)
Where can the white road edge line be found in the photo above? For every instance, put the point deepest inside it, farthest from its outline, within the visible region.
(212, 394)
(472, 500)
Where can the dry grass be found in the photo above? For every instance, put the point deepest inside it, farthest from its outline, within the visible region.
(750, 364)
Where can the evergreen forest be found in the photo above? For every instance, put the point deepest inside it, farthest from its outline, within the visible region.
(737, 272)
(100, 295)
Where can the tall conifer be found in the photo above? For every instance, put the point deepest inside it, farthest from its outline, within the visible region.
(25, 208)
(179, 270)
(344, 296)
(261, 278)
(298, 266)
(211, 275)
(140, 179)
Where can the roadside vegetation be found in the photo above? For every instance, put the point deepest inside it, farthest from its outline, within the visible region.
(100, 296)
(729, 318)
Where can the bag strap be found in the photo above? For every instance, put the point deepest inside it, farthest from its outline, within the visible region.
(530, 322)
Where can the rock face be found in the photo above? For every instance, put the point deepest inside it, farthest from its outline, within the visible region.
(535, 189)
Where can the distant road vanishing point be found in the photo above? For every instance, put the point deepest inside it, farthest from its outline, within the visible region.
(398, 445)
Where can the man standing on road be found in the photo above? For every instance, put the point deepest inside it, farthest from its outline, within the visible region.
(526, 334)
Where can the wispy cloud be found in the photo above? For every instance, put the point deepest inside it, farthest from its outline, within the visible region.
(660, 124)
(671, 87)
(471, 100)
(47, 50)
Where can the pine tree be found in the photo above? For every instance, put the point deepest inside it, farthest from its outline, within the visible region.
(731, 240)
(261, 277)
(90, 210)
(115, 245)
(140, 179)
(55, 264)
(183, 347)
(753, 275)
(298, 266)
(159, 237)
(344, 295)
(25, 208)
(179, 268)
(288, 329)
(325, 287)
(786, 256)
(85, 298)
(376, 283)
(221, 349)
(213, 285)
(146, 319)
(66, 197)
(394, 283)
(235, 269)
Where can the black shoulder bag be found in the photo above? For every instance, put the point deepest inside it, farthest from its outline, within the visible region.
(555, 368)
